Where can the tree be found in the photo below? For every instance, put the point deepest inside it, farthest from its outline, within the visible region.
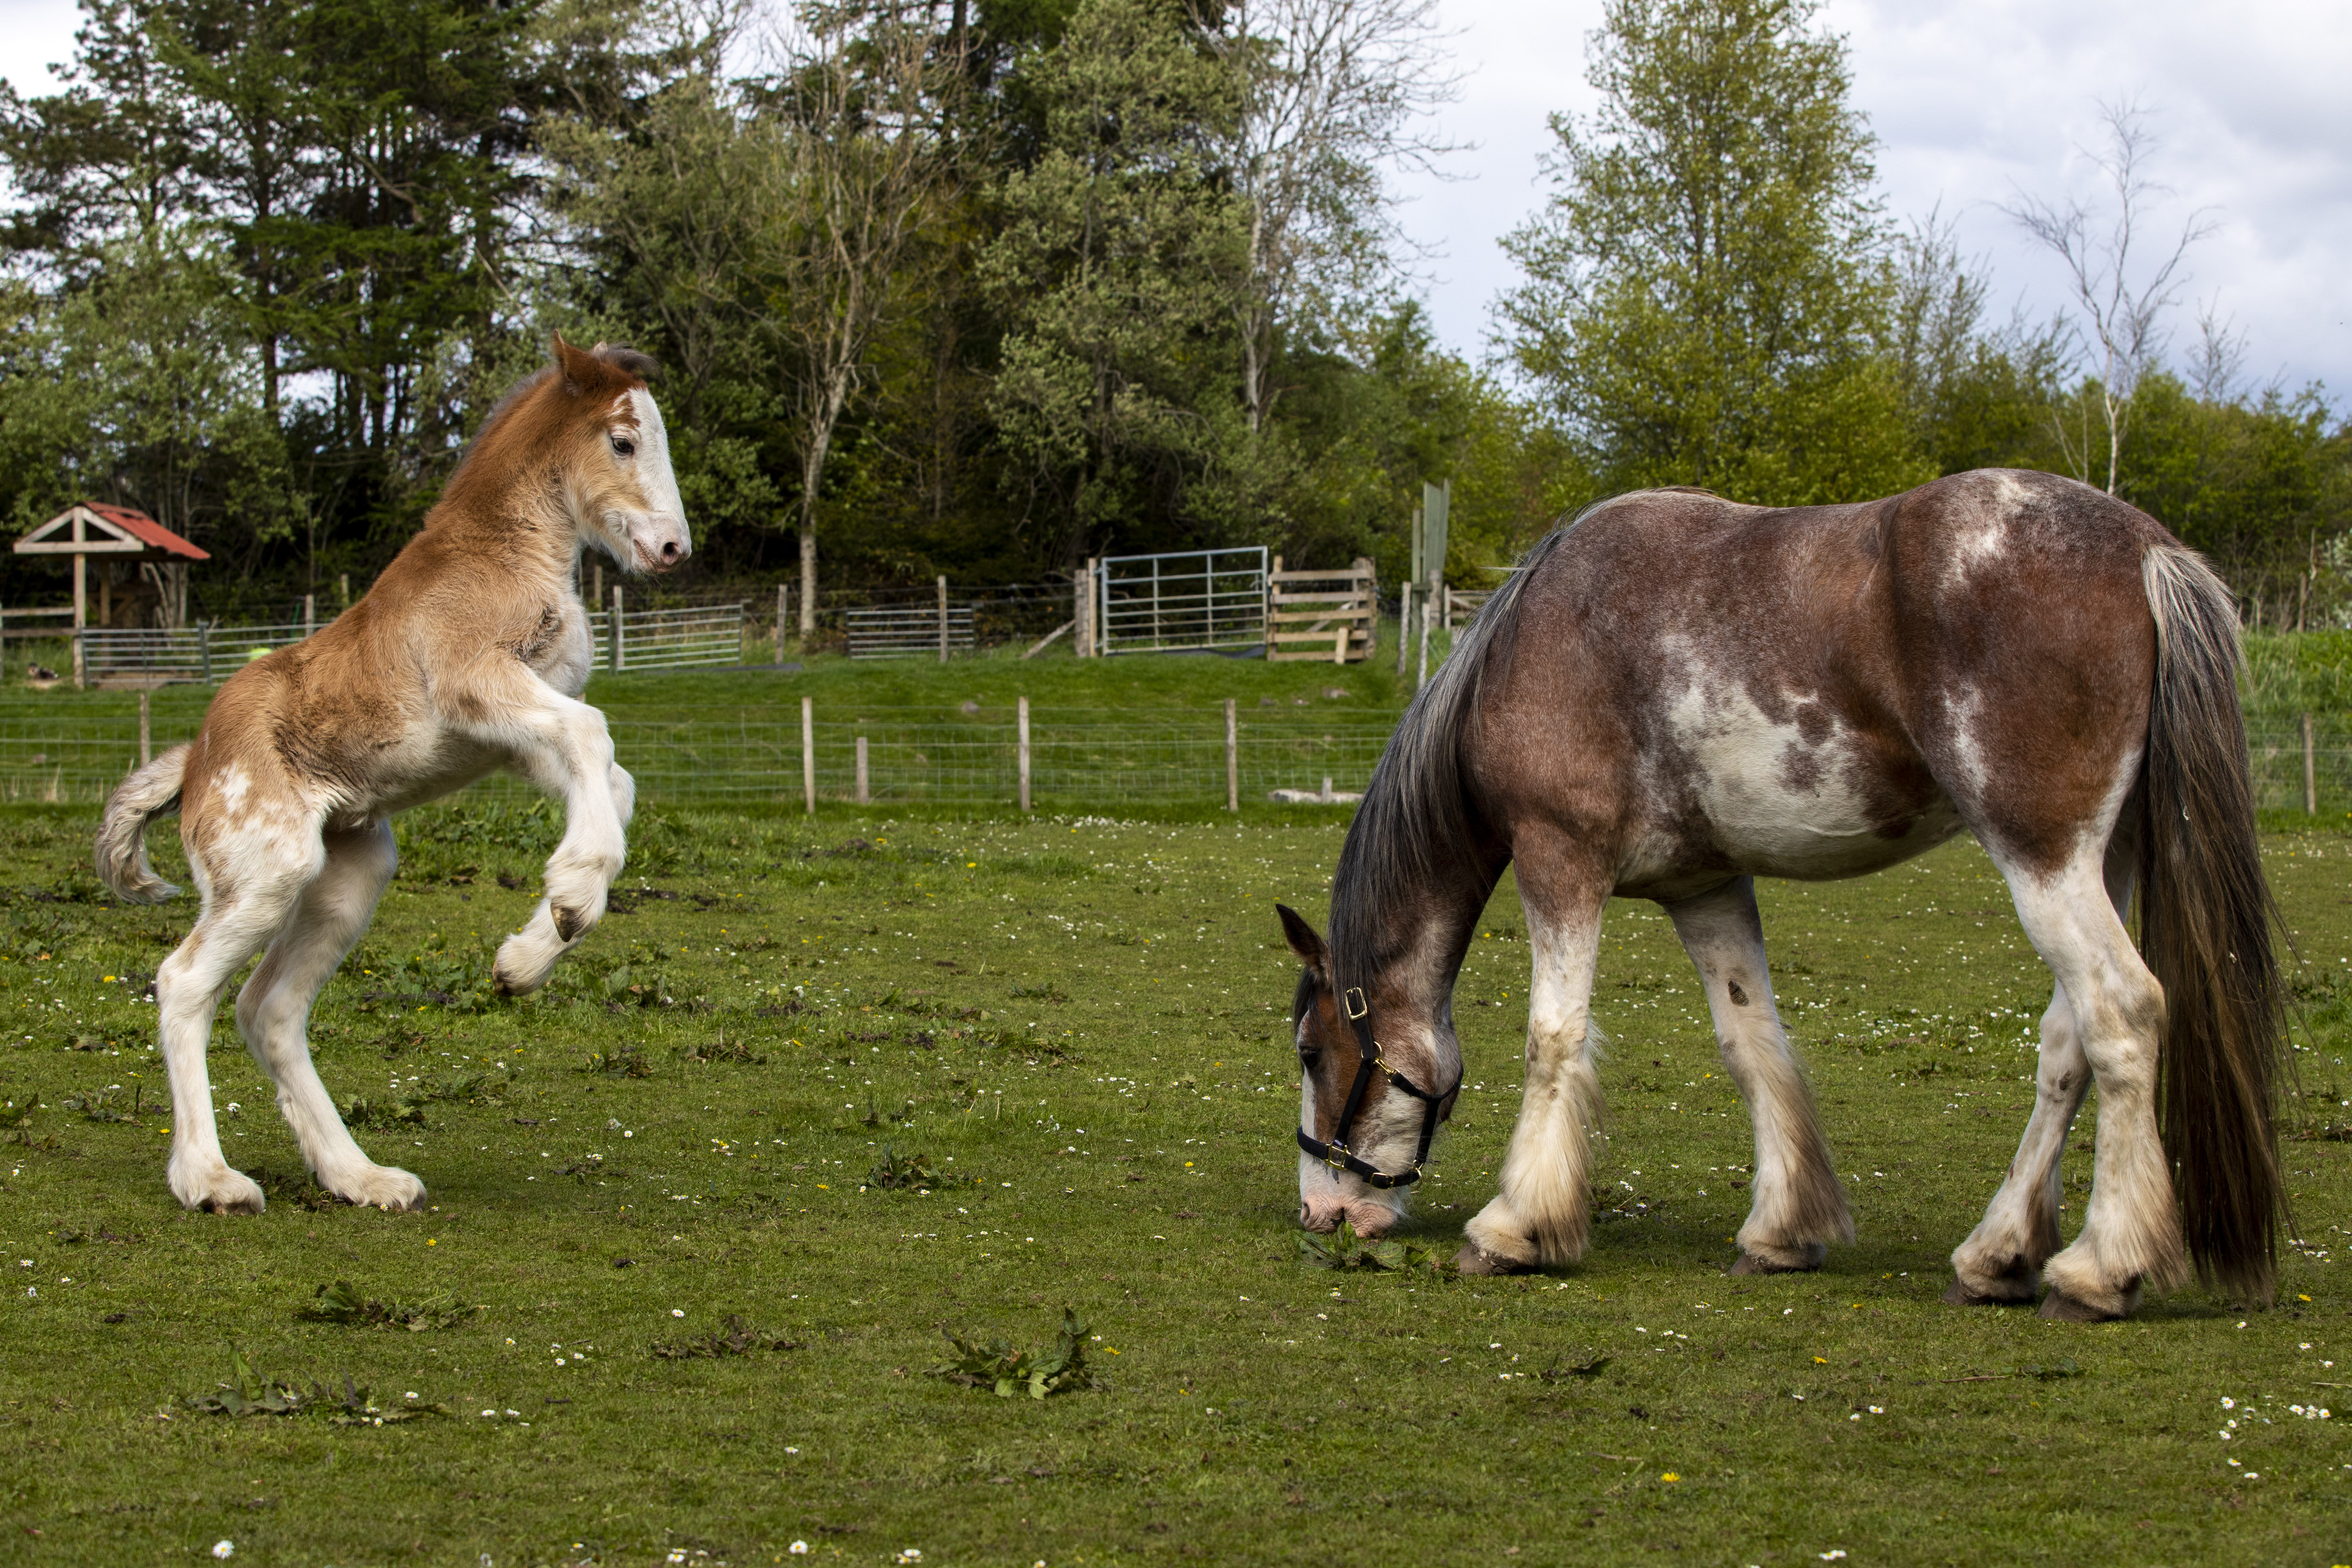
(1330, 91)
(1707, 287)
(2118, 314)
(1117, 267)
(861, 169)
(1972, 397)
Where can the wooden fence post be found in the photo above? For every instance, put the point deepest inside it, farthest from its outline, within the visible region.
(1421, 678)
(1233, 758)
(862, 796)
(1405, 624)
(1023, 722)
(344, 590)
(944, 620)
(808, 753)
(620, 658)
(309, 614)
(2310, 769)
(783, 614)
(146, 751)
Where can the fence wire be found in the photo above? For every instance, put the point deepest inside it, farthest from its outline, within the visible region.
(1078, 756)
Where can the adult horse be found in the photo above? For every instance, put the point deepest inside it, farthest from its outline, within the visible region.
(1677, 694)
(470, 654)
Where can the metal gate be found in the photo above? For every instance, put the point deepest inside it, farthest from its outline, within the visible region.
(910, 631)
(1189, 599)
(206, 654)
(670, 640)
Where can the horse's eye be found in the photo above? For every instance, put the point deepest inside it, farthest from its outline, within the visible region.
(623, 446)
(1308, 1056)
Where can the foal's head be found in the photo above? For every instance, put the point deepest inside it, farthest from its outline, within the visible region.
(1362, 1163)
(611, 456)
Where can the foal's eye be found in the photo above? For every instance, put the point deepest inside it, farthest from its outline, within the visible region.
(623, 446)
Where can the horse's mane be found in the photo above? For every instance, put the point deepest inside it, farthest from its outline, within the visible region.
(1418, 822)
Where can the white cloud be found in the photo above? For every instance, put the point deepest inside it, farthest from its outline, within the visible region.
(1973, 103)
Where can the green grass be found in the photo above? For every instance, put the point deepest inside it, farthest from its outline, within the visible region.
(1078, 1028)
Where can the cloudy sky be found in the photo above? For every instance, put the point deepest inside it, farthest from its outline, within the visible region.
(1972, 102)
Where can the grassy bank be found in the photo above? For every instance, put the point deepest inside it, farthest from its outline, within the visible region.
(699, 1327)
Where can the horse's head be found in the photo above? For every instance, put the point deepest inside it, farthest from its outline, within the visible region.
(616, 475)
(1364, 1126)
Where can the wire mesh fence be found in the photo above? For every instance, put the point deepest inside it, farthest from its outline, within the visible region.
(1079, 757)
(752, 753)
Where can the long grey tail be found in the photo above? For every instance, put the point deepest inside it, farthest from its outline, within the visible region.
(2206, 921)
(153, 792)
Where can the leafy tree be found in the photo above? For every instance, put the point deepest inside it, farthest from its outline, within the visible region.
(1116, 269)
(1706, 289)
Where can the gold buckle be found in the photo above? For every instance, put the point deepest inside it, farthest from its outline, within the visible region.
(1353, 1001)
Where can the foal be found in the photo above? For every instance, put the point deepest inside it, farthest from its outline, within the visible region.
(469, 655)
(1677, 695)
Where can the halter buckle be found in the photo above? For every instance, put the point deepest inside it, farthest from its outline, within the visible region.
(1352, 999)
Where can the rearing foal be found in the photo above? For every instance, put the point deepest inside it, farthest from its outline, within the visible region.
(1676, 695)
(470, 654)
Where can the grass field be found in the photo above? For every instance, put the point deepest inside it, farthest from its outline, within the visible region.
(670, 1317)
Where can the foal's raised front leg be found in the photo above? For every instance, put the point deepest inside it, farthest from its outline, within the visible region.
(1800, 1205)
(561, 746)
(1541, 1215)
(273, 1013)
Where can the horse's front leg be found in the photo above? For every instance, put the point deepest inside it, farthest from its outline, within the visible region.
(1799, 1204)
(1541, 1215)
(562, 746)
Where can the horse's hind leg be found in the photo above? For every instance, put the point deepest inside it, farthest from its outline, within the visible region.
(1799, 1205)
(273, 1013)
(1541, 1215)
(251, 874)
(2001, 1262)
(2131, 1232)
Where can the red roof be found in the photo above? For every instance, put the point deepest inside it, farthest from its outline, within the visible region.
(147, 530)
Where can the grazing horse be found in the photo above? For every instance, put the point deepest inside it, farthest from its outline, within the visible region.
(470, 654)
(1677, 694)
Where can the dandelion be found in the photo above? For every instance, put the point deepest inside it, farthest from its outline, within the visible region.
(1670, 1477)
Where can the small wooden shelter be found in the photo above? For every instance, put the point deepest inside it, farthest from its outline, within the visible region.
(93, 528)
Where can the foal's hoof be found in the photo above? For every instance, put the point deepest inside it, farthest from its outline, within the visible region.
(380, 1187)
(221, 1191)
(1475, 1260)
(1782, 1259)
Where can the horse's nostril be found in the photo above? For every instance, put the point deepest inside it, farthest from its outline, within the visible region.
(669, 549)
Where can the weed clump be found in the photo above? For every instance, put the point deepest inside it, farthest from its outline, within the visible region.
(903, 1173)
(1345, 1250)
(342, 1304)
(999, 1366)
(621, 1061)
(732, 1338)
(249, 1394)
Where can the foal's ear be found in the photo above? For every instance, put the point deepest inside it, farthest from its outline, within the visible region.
(1310, 949)
(580, 367)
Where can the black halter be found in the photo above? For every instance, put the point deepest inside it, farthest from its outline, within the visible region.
(1336, 1153)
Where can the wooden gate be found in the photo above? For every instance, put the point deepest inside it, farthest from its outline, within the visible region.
(1328, 615)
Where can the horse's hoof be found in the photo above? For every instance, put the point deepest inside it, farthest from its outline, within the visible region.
(2059, 1307)
(1793, 1261)
(1475, 1260)
(1963, 1295)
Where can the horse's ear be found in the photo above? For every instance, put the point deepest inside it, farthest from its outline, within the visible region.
(580, 367)
(1303, 941)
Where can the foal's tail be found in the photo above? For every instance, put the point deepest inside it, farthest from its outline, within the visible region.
(2205, 931)
(153, 792)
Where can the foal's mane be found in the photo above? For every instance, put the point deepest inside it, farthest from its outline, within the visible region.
(1418, 824)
